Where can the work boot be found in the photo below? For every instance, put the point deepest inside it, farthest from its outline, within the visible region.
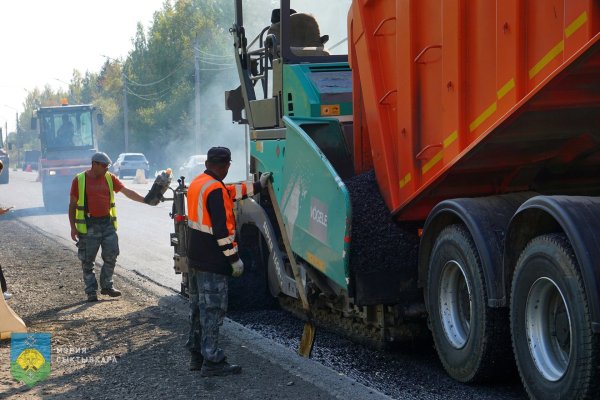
(92, 297)
(222, 368)
(112, 292)
(196, 361)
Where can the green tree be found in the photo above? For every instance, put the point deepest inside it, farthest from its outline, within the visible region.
(159, 73)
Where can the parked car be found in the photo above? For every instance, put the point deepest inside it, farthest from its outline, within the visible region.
(193, 166)
(128, 163)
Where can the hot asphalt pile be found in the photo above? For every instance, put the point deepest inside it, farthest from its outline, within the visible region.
(133, 346)
(383, 253)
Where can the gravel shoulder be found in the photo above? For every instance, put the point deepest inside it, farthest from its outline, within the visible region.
(133, 346)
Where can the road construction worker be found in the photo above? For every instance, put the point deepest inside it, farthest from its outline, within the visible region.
(213, 258)
(93, 219)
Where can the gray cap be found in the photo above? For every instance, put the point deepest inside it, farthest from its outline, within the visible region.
(101, 158)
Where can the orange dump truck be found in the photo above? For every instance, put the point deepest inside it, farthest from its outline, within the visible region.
(481, 121)
(482, 118)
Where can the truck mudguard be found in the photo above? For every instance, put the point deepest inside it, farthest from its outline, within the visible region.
(249, 211)
(486, 219)
(579, 218)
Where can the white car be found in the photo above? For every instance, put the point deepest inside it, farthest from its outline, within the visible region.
(129, 163)
(193, 167)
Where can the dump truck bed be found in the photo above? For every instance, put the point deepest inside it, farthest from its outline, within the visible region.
(476, 98)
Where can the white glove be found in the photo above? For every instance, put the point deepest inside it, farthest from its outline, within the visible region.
(238, 268)
(264, 179)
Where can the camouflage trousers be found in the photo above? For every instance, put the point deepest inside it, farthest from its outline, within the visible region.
(100, 233)
(208, 305)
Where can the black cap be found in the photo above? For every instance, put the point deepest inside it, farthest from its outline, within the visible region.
(218, 155)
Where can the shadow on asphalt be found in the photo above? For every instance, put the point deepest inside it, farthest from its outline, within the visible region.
(31, 212)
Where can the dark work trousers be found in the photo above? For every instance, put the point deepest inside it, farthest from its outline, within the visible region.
(2, 280)
(208, 305)
(100, 234)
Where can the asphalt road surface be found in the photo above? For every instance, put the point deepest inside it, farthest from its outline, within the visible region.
(145, 249)
(143, 230)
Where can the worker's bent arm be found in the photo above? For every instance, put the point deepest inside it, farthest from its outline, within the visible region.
(241, 190)
(132, 195)
(218, 216)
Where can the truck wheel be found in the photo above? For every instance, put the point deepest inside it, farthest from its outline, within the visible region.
(556, 351)
(469, 336)
(251, 290)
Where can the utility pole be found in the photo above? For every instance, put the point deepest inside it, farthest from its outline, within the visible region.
(18, 139)
(197, 97)
(125, 113)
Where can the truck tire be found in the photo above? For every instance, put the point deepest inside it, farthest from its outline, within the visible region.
(556, 351)
(251, 290)
(470, 337)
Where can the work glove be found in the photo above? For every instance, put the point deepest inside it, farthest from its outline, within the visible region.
(152, 198)
(159, 187)
(264, 179)
(238, 268)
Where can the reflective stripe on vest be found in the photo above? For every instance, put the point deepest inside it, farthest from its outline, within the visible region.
(198, 220)
(197, 195)
(80, 223)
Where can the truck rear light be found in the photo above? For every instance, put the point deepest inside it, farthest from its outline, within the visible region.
(180, 218)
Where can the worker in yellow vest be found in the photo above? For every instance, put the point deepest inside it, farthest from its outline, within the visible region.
(93, 219)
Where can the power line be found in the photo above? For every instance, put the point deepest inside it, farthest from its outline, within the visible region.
(213, 63)
(218, 69)
(210, 55)
(155, 82)
(149, 96)
(134, 83)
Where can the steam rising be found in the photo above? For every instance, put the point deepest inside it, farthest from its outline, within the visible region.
(216, 128)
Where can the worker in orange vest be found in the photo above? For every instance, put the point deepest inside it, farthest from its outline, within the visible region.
(213, 257)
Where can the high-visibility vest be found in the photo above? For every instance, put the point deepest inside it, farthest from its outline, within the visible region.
(80, 223)
(199, 218)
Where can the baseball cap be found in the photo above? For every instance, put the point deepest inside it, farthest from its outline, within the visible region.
(101, 158)
(218, 155)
